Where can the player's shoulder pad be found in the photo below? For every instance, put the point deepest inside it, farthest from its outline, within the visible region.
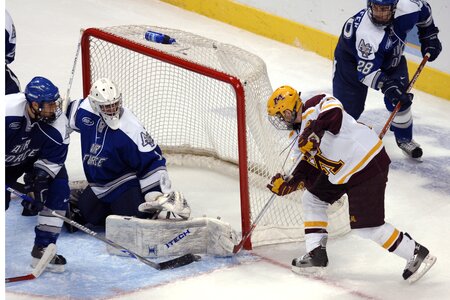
(329, 102)
(15, 105)
(134, 129)
(405, 7)
(73, 111)
(313, 101)
(368, 38)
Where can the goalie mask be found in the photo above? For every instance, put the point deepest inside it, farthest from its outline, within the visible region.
(283, 107)
(106, 100)
(381, 12)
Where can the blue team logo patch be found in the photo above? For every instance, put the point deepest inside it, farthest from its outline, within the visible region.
(365, 49)
(87, 121)
(147, 139)
(14, 125)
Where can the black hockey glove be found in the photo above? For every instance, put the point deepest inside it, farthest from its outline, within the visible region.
(431, 44)
(40, 189)
(28, 180)
(394, 90)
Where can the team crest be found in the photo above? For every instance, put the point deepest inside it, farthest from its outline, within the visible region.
(278, 98)
(15, 125)
(147, 139)
(365, 49)
(87, 121)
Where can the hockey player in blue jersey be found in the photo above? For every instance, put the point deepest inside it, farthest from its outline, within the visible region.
(36, 145)
(124, 167)
(12, 84)
(370, 54)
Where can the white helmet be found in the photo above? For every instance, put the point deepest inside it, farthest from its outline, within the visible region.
(106, 100)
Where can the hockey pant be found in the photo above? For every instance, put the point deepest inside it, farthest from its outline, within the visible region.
(48, 227)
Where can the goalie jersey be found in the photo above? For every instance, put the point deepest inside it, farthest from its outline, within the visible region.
(375, 49)
(41, 144)
(115, 160)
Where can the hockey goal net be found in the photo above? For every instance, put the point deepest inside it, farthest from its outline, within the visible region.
(203, 102)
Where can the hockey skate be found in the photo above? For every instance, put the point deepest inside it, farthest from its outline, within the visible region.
(313, 262)
(419, 263)
(411, 149)
(56, 265)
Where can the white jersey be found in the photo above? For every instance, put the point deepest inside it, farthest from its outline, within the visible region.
(350, 150)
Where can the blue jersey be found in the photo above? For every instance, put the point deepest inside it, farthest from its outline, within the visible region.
(10, 39)
(372, 49)
(114, 160)
(27, 142)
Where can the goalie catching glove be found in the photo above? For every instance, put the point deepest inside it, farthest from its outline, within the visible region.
(173, 202)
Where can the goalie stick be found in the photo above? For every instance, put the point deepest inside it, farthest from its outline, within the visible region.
(269, 202)
(169, 264)
(48, 255)
(408, 89)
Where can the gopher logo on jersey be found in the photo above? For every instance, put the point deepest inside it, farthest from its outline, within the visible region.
(147, 139)
(324, 164)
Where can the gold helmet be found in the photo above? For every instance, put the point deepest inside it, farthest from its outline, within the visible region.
(284, 98)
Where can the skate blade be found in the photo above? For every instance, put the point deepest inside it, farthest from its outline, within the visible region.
(418, 159)
(427, 263)
(309, 271)
(50, 268)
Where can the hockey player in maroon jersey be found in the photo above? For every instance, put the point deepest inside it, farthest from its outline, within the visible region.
(352, 160)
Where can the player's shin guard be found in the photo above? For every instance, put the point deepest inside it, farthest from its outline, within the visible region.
(47, 232)
(316, 236)
(315, 220)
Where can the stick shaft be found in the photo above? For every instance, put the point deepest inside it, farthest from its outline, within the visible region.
(263, 211)
(398, 106)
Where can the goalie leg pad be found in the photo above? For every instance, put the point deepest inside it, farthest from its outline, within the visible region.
(172, 237)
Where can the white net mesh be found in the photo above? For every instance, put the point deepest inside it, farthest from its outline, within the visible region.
(193, 116)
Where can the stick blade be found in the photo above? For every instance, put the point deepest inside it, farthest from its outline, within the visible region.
(48, 255)
(179, 261)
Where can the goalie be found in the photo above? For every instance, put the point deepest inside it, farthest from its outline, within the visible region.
(125, 169)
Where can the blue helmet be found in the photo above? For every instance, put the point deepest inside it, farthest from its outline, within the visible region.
(42, 90)
(384, 11)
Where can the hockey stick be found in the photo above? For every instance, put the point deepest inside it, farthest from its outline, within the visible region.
(48, 255)
(263, 211)
(398, 106)
(72, 75)
(169, 264)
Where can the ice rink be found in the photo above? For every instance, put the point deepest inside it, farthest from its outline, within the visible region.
(417, 200)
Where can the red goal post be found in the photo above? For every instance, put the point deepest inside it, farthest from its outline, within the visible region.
(203, 102)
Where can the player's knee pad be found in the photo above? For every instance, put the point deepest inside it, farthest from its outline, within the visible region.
(379, 234)
(58, 195)
(58, 192)
(403, 119)
(313, 207)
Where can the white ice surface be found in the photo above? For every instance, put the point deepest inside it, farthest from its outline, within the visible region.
(417, 198)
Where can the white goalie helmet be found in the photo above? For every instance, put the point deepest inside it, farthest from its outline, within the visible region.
(106, 100)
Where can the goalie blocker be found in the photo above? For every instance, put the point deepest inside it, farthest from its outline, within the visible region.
(171, 237)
